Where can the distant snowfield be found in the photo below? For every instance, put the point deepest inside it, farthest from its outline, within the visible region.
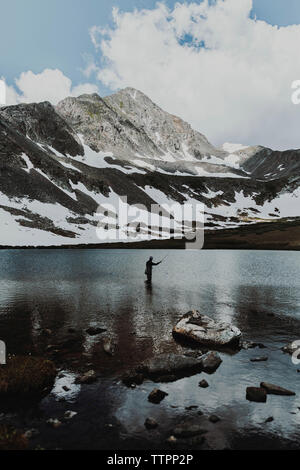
(14, 234)
(232, 148)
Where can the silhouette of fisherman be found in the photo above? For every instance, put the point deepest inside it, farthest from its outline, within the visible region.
(149, 266)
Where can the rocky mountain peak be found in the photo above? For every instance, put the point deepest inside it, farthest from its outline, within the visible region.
(129, 125)
(40, 123)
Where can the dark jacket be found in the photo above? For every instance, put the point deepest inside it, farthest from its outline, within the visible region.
(149, 266)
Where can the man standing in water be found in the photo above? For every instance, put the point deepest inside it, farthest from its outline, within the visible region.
(148, 271)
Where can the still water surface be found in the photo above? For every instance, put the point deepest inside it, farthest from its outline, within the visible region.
(257, 291)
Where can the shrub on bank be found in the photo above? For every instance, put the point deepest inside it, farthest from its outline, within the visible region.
(26, 376)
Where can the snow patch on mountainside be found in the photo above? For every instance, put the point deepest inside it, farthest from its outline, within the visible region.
(232, 148)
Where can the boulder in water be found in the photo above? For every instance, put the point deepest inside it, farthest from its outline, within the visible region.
(156, 396)
(272, 389)
(206, 331)
(210, 362)
(257, 394)
(172, 366)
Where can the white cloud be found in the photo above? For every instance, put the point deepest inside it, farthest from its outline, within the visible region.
(49, 85)
(237, 88)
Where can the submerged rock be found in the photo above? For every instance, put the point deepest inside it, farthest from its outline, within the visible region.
(272, 389)
(256, 394)
(259, 359)
(210, 362)
(214, 419)
(156, 396)
(191, 408)
(206, 331)
(203, 384)
(150, 423)
(171, 367)
(185, 430)
(132, 378)
(269, 420)
(87, 378)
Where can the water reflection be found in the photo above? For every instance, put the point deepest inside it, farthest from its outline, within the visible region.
(67, 291)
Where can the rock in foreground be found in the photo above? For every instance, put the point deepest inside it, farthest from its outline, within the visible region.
(203, 384)
(206, 331)
(171, 365)
(272, 389)
(187, 429)
(259, 359)
(256, 394)
(156, 396)
(210, 362)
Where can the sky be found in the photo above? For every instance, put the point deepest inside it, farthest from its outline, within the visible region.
(225, 66)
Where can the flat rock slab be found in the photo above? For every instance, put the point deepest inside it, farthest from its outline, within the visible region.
(272, 389)
(171, 366)
(206, 331)
(259, 359)
(256, 394)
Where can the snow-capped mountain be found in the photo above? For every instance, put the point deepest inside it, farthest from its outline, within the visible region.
(60, 166)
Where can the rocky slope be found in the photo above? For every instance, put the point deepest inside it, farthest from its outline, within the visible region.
(60, 167)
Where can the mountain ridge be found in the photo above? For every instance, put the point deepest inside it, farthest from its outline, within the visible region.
(58, 165)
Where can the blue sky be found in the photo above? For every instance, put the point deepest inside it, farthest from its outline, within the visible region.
(39, 34)
(237, 88)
